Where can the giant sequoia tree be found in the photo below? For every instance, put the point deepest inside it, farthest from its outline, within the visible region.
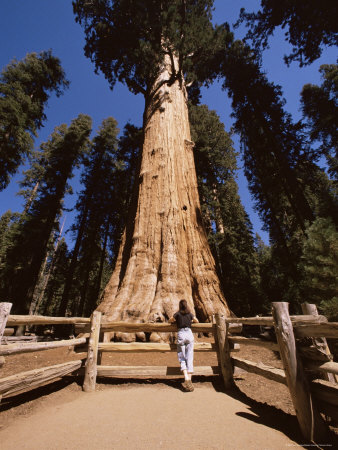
(154, 47)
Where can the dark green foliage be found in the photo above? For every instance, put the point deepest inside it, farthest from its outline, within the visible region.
(58, 268)
(228, 225)
(288, 187)
(25, 87)
(7, 220)
(320, 108)
(102, 210)
(310, 25)
(319, 266)
(273, 151)
(127, 39)
(31, 235)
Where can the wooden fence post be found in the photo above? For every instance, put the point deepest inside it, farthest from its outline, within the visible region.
(91, 363)
(319, 342)
(224, 351)
(4, 313)
(311, 423)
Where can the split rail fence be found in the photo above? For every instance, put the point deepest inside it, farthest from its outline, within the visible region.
(309, 371)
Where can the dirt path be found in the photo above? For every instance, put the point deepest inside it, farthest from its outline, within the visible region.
(141, 416)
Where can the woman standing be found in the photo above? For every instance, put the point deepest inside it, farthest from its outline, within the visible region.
(185, 342)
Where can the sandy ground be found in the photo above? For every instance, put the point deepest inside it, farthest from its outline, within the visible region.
(145, 413)
(149, 416)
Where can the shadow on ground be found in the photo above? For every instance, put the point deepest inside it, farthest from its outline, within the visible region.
(260, 413)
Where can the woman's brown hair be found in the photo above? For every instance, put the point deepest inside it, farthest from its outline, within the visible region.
(183, 307)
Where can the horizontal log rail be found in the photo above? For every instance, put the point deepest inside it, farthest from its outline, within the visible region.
(152, 327)
(140, 347)
(268, 320)
(15, 320)
(310, 324)
(328, 330)
(259, 368)
(24, 347)
(157, 371)
(325, 391)
(8, 331)
(327, 367)
(37, 377)
(44, 320)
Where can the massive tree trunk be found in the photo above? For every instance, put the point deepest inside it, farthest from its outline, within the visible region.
(164, 255)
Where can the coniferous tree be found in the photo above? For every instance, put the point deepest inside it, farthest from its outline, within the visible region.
(319, 266)
(93, 178)
(287, 185)
(102, 206)
(50, 302)
(229, 227)
(25, 87)
(320, 108)
(154, 47)
(30, 237)
(7, 221)
(310, 25)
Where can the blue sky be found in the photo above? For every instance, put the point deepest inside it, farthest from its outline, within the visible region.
(36, 25)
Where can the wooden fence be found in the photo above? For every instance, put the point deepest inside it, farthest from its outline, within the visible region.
(309, 371)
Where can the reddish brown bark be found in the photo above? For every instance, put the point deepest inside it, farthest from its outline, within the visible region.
(164, 254)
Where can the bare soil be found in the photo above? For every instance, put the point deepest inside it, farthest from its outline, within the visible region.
(148, 413)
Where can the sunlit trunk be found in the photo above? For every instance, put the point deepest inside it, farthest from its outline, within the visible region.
(164, 254)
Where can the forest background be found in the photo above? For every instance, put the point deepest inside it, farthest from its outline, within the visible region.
(253, 270)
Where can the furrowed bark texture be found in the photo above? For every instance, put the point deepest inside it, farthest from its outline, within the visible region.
(164, 254)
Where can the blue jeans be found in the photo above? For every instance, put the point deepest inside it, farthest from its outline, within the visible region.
(185, 349)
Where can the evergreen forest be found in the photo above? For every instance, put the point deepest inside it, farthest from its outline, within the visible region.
(51, 267)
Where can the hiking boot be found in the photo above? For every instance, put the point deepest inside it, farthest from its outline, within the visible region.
(190, 386)
(185, 386)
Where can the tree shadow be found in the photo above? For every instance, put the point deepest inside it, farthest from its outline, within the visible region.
(272, 417)
(174, 383)
(39, 392)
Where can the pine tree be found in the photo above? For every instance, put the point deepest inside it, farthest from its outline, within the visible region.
(25, 87)
(32, 234)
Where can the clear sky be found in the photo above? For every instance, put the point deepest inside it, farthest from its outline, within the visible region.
(35, 25)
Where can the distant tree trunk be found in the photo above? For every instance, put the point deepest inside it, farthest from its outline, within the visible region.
(103, 256)
(39, 294)
(164, 255)
(70, 276)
